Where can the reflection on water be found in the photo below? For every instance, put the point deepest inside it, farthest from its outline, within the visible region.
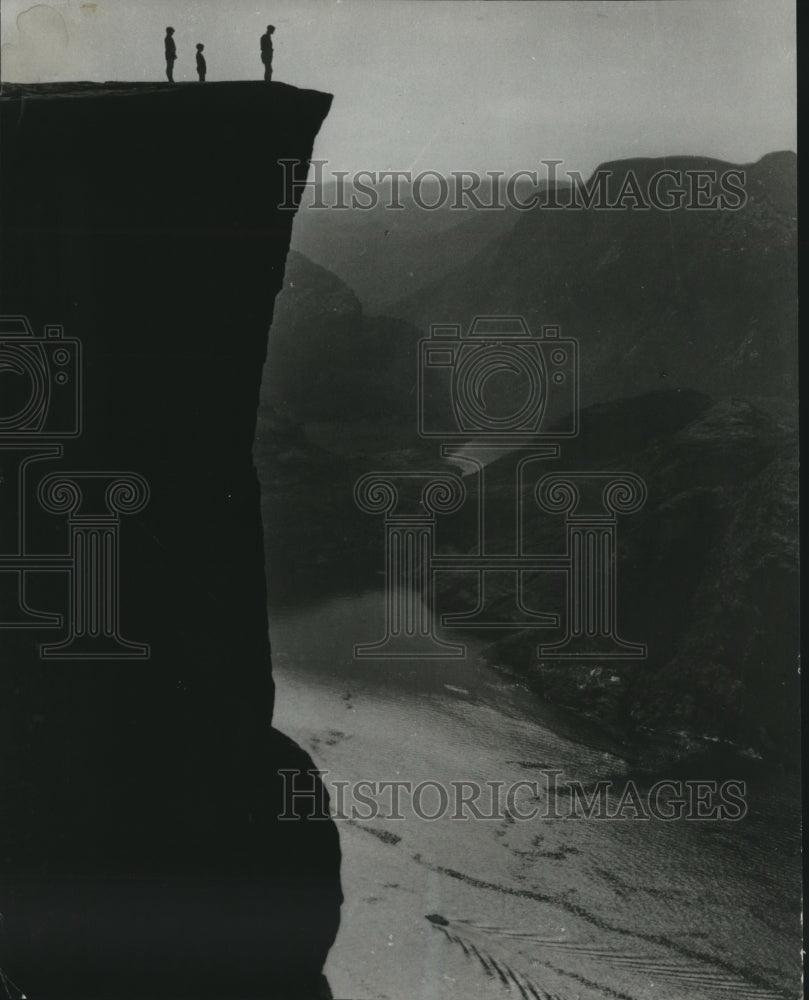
(539, 908)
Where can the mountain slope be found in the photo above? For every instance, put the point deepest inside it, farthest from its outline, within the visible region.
(699, 299)
(385, 253)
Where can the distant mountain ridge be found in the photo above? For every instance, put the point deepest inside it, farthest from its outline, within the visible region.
(702, 299)
(384, 253)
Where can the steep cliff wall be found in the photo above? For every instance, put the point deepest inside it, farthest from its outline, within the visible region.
(145, 220)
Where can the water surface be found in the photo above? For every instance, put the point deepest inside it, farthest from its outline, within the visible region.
(536, 908)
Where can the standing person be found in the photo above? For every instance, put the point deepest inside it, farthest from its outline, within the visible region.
(266, 51)
(201, 64)
(171, 54)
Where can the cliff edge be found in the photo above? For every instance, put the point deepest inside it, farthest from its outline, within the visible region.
(140, 790)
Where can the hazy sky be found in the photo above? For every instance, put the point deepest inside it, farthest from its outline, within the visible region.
(460, 84)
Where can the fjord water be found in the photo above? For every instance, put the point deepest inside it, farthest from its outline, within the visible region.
(537, 908)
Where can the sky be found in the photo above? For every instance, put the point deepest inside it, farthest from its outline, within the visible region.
(459, 84)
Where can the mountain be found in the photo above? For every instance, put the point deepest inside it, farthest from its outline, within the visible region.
(707, 572)
(337, 394)
(695, 298)
(385, 253)
(332, 367)
(686, 324)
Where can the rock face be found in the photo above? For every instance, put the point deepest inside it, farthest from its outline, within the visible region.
(140, 843)
(708, 574)
(331, 362)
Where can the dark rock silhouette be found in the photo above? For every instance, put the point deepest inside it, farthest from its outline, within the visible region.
(171, 54)
(140, 853)
(202, 66)
(266, 51)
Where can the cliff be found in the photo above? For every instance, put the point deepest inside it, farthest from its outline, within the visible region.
(145, 221)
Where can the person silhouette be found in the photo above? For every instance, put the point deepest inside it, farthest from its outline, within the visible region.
(201, 64)
(171, 54)
(266, 51)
